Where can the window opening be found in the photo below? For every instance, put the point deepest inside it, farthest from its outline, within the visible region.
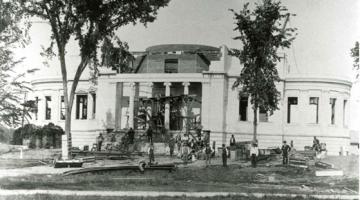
(47, 107)
(81, 107)
(315, 102)
(291, 101)
(243, 107)
(171, 66)
(332, 104)
(263, 115)
(62, 108)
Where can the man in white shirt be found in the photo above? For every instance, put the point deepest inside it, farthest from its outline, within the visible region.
(254, 152)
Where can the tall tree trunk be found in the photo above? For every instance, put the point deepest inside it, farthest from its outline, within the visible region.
(68, 106)
(255, 123)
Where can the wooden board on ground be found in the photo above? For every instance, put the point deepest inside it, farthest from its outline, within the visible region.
(299, 166)
(68, 163)
(329, 173)
(167, 167)
(323, 165)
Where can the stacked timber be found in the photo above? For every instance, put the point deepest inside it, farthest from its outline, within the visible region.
(88, 159)
(298, 162)
(308, 153)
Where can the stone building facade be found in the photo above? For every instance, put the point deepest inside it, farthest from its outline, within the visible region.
(311, 105)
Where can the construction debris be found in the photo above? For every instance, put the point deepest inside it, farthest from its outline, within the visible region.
(329, 173)
(324, 165)
(167, 167)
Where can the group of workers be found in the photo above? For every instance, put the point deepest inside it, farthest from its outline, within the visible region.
(187, 148)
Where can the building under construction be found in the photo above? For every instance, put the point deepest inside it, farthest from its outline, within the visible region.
(181, 86)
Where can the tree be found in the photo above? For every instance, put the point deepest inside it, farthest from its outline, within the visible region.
(12, 33)
(355, 54)
(261, 33)
(90, 23)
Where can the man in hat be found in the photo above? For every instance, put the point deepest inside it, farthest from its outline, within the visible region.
(99, 141)
(254, 152)
(224, 155)
(285, 153)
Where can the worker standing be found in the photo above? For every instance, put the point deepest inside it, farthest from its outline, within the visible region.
(285, 153)
(99, 141)
(232, 141)
(172, 146)
(151, 153)
(131, 135)
(224, 155)
(149, 134)
(254, 152)
(185, 152)
(208, 155)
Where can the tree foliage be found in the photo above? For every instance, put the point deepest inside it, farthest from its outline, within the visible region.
(91, 24)
(261, 32)
(355, 54)
(12, 34)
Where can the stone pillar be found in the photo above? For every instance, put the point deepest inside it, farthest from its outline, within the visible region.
(148, 108)
(167, 106)
(64, 149)
(185, 109)
(186, 87)
(131, 105)
(90, 103)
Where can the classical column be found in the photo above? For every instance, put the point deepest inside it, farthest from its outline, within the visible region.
(185, 108)
(167, 106)
(131, 105)
(186, 87)
(148, 108)
(90, 106)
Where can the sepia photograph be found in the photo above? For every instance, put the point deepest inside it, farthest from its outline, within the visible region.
(179, 99)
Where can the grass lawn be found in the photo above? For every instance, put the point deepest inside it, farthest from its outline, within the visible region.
(56, 197)
(196, 179)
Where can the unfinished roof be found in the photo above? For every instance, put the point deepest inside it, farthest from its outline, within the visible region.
(180, 47)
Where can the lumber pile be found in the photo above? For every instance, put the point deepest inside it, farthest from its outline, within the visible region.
(308, 153)
(298, 161)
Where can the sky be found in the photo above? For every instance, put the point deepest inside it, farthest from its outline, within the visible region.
(327, 29)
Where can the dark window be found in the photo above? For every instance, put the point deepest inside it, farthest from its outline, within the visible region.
(243, 105)
(171, 66)
(47, 108)
(315, 101)
(36, 107)
(62, 108)
(263, 115)
(291, 101)
(81, 107)
(94, 105)
(332, 104)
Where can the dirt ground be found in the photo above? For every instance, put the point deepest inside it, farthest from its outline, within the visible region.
(239, 176)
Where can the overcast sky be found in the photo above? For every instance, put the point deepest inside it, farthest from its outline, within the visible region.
(327, 29)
